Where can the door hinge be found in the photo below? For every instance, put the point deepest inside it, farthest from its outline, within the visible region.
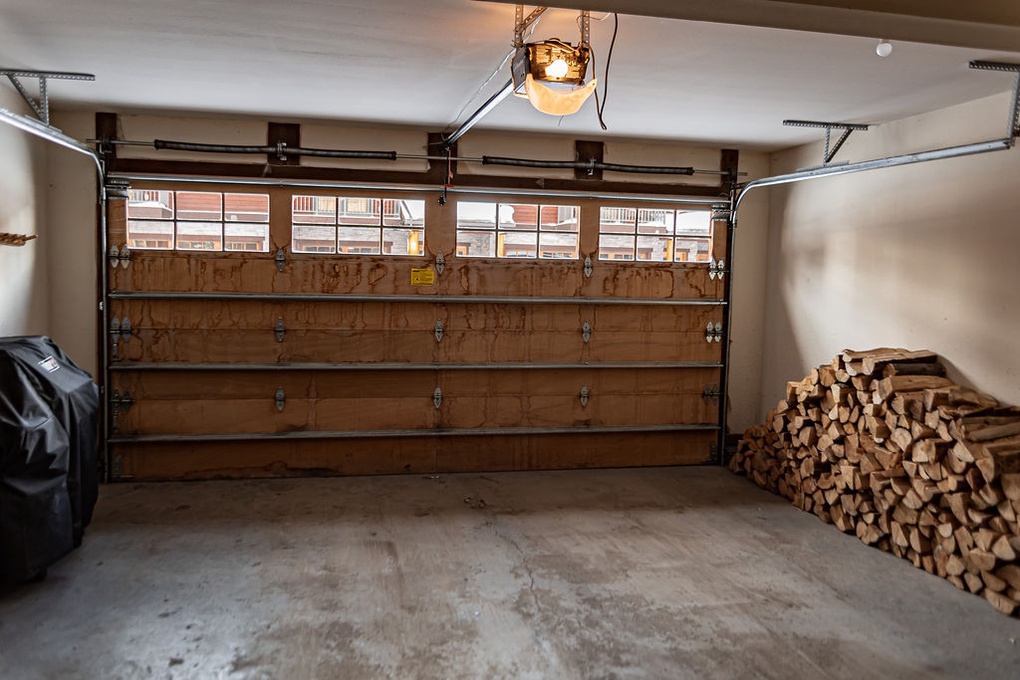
(437, 397)
(711, 394)
(119, 330)
(440, 263)
(280, 328)
(119, 403)
(119, 256)
(585, 395)
(586, 330)
(713, 453)
(589, 266)
(280, 259)
(717, 269)
(280, 399)
(713, 332)
(438, 330)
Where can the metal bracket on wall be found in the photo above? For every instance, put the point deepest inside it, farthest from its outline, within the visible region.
(440, 263)
(589, 266)
(437, 397)
(847, 129)
(280, 259)
(586, 330)
(585, 395)
(119, 329)
(280, 328)
(119, 256)
(713, 332)
(717, 269)
(119, 404)
(438, 330)
(280, 399)
(42, 107)
(711, 394)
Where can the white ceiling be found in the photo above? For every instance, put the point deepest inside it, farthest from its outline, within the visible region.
(431, 64)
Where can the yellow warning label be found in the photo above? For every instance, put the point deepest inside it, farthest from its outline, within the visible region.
(423, 277)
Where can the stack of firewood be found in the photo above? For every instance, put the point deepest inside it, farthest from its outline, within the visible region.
(881, 444)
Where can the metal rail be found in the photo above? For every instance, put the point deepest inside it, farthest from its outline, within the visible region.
(391, 366)
(438, 299)
(401, 434)
(410, 188)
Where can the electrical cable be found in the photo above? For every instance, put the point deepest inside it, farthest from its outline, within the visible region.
(600, 107)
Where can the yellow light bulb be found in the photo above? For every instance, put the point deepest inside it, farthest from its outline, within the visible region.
(557, 69)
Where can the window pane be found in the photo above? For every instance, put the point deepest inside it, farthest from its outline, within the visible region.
(654, 248)
(246, 207)
(150, 204)
(613, 247)
(360, 211)
(309, 239)
(655, 221)
(364, 241)
(313, 209)
(146, 235)
(518, 244)
(557, 246)
(476, 243)
(559, 218)
(617, 220)
(403, 213)
(403, 241)
(199, 205)
(693, 249)
(693, 221)
(250, 237)
(199, 236)
(513, 216)
(471, 215)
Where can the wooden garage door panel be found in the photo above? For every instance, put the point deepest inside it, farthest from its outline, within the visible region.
(257, 315)
(257, 272)
(225, 460)
(241, 402)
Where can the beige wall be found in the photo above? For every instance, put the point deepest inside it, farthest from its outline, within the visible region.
(921, 256)
(24, 292)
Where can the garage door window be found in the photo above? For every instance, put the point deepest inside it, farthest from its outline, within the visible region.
(517, 230)
(357, 225)
(654, 235)
(197, 220)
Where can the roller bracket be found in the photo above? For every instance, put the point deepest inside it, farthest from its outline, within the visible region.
(713, 332)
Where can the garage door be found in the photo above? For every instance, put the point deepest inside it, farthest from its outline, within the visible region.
(257, 331)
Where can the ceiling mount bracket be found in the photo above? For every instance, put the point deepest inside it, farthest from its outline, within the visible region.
(847, 129)
(521, 23)
(1014, 110)
(42, 107)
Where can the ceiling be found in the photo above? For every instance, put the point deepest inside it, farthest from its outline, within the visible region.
(431, 64)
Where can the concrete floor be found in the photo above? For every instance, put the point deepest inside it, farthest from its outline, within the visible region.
(654, 573)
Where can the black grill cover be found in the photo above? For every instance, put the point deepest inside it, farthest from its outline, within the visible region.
(49, 410)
